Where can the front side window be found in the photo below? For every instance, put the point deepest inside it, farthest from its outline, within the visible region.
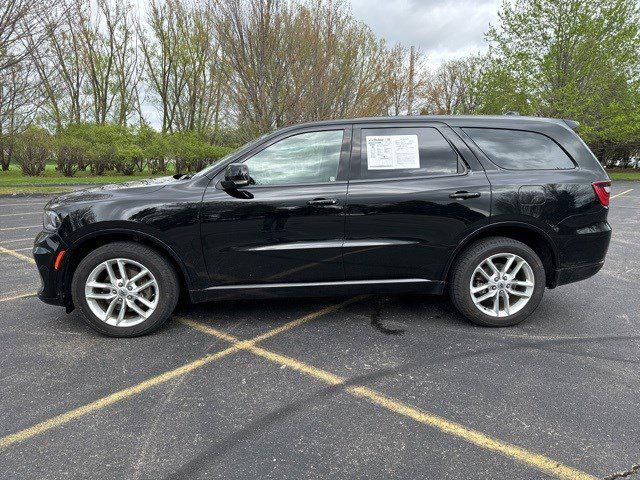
(520, 150)
(311, 157)
(406, 152)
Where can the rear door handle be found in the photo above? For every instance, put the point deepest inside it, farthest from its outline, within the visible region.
(464, 195)
(322, 201)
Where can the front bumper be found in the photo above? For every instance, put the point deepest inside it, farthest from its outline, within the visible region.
(46, 247)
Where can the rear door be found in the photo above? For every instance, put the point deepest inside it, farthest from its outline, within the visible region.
(415, 190)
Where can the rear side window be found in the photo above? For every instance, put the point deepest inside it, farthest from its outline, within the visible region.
(406, 152)
(520, 150)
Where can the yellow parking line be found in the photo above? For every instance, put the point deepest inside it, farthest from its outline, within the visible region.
(482, 440)
(14, 240)
(103, 402)
(16, 297)
(19, 228)
(61, 419)
(13, 253)
(621, 194)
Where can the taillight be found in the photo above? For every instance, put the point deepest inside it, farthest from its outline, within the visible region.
(603, 190)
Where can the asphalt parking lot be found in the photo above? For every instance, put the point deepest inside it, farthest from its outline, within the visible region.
(378, 387)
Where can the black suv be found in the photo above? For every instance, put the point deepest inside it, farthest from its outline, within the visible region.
(490, 209)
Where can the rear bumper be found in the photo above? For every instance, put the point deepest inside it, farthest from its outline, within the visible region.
(577, 273)
(582, 255)
(45, 250)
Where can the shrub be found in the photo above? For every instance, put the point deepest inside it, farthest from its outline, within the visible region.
(71, 154)
(157, 153)
(33, 149)
(191, 153)
(128, 158)
(101, 159)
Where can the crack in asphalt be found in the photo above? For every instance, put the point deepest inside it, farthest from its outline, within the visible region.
(627, 473)
(272, 418)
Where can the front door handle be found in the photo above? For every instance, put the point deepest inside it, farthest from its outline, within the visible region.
(322, 201)
(464, 195)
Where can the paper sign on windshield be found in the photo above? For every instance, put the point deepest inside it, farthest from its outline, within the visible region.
(390, 152)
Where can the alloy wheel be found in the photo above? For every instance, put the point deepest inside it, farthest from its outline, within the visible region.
(502, 284)
(122, 292)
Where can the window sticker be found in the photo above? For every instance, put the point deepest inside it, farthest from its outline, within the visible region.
(392, 152)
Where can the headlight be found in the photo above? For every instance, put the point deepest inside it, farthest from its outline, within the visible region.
(51, 221)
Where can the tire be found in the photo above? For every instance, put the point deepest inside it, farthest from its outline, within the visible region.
(465, 273)
(163, 292)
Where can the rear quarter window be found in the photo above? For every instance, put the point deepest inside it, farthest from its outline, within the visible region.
(519, 149)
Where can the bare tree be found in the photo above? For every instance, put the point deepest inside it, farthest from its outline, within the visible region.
(20, 19)
(161, 45)
(407, 80)
(453, 86)
(18, 105)
(291, 62)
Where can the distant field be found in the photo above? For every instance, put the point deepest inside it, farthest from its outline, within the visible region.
(13, 182)
(624, 174)
(15, 178)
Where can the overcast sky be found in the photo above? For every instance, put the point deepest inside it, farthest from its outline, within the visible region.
(442, 28)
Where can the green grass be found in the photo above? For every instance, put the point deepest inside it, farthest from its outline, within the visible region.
(624, 175)
(15, 178)
(13, 182)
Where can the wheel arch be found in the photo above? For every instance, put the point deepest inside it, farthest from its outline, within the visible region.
(534, 237)
(85, 244)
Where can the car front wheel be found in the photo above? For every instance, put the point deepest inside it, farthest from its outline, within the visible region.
(497, 282)
(125, 289)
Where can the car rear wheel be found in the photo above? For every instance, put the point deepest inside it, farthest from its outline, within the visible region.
(497, 282)
(125, 289)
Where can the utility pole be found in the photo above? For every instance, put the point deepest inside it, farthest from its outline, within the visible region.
(412, 73)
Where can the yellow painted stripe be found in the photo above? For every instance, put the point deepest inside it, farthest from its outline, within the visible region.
(621, 194)
(275, 331)
(20, 228)
(61, 419)
(14, 240)
(120, 395)
(16, 297)
(475, 437)
(13, 253)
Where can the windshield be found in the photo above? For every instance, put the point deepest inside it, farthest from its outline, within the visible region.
(246, 146)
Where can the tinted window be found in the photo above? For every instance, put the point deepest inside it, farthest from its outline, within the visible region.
(519, 150)
(311, 157)
(406, 152)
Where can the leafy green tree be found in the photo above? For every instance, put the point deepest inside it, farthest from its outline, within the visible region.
(576, 59)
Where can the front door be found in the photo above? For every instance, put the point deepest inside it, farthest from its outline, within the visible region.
(289, 226)
(414, 191)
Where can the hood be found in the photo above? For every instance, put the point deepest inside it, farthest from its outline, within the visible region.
(106, 192)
